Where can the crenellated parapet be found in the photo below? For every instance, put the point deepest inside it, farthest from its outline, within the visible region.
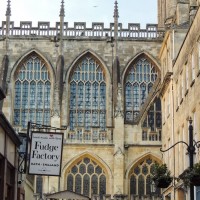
(79, 30)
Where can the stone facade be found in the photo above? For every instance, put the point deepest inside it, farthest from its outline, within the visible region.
(171, 46)
(179, 57)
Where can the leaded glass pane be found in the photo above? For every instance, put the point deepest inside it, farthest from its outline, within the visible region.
(24, 119)
(95, 119)
(73, 95)
(136, 96)
(102, 186)
(32, 93)
(153, 121)
(141, 185)
(74, 170)
(17, 95)
(46, 117)
(138, 82)
(70, 182)
(25, 89)
(149, 161)
(39, 116)
(148, 185)
(150, 85)
(86, 182)
(102, 96)
(39, 183)
(133, 185)
(87, 120)
(72, 119)
(86, 185)
(158, 105)
(32, 115)
(90, 169)
(80, 101)
(98, 170)
(88, 89)
(47, 90)
(40, 95)
(82, 169)
(80, 119)
(145, 170)
(94, 184)
(158, 120)
(102, 120)
(137, 170)
(17, 117)
(86, 160)
(95, 88)
(129, 103)
(78, 184)
(88, 95)
(140, 178)
(143, 93)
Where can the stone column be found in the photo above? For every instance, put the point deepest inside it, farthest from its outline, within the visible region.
(171, 8)
(170, 11)
(118, 138)
(161, 13)
(182, 12)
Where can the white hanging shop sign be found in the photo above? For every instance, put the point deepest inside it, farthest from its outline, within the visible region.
(46, 153)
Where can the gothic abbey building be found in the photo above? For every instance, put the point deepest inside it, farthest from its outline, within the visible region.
(119, 94)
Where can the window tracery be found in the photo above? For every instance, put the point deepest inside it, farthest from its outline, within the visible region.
(32, 93)
(152, 125)
(87, 97)
(140, 179)
(138, 83)
(86, 177)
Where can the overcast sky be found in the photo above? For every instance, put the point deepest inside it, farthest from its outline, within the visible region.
(130, 11)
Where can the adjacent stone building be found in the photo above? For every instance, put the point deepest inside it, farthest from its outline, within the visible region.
(9, 143)
(104, 87)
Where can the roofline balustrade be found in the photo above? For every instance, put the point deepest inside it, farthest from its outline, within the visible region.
(81, 31)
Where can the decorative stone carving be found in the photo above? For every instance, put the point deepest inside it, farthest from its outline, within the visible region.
(119, 111)
(56, 108)
(119, 152)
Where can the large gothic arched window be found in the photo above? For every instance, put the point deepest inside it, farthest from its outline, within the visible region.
(86, 177)
(32, 92)
(87, 97)
(140, 183)
(139, 80)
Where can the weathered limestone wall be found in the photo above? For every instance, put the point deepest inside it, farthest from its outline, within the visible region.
(116, 161)
(180, 99)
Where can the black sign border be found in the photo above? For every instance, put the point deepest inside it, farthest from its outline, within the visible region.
(42, 132)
